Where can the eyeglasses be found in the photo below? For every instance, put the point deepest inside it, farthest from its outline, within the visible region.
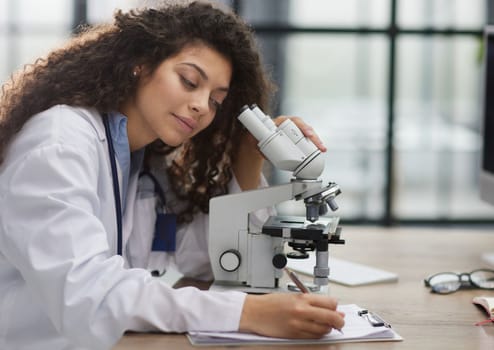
(450, 282)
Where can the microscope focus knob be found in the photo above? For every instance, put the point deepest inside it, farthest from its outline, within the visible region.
(279, 261)
(230, 260)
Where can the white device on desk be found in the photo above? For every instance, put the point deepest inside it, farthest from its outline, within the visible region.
(249, 258)
(347, 273)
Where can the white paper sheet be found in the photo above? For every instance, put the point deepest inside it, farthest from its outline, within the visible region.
(357, 328)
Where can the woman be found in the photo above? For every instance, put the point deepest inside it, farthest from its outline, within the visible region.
(76, 129)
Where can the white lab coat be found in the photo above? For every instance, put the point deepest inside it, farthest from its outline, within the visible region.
(191, 257)
(62, 286)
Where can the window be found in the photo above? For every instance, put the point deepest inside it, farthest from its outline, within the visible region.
(29, 29)
(394, 90)
(392, 86)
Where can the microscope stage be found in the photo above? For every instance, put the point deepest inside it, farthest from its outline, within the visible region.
(296, 227)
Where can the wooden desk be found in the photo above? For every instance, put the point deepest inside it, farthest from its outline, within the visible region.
(424, 320)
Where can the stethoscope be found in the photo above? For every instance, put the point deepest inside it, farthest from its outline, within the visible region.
(116, 185)
(158, 239)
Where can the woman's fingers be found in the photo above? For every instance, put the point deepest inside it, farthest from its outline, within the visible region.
(306, 129)
(291, 315)
(322, 310)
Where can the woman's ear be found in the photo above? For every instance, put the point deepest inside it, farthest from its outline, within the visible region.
(136, 71)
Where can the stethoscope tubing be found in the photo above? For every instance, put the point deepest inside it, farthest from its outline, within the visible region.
(116, 185)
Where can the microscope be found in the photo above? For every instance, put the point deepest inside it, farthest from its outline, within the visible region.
(252, 258)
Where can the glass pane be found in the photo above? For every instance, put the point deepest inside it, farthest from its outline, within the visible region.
(373, 13)
(32, 29)
(311, 13)
(265, 12)
(337, 84)
(28, 47)
(460, 14)
(437, 139)
(102, 11)
(32, 13)
(4, 14)
(4, 60)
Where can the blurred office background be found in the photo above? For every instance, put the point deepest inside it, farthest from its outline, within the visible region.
(394, 88)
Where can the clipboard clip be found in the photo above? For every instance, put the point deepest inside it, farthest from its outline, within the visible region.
(373, 319)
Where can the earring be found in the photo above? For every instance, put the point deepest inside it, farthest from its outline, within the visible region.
(134, 73)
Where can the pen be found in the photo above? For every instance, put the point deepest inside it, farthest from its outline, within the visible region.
(297, 282)
(293, 276)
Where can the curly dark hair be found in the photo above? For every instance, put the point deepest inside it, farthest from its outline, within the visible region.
(94, 70)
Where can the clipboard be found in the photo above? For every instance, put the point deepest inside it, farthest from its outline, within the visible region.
(361, 325)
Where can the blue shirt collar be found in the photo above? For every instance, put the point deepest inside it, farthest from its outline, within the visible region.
(120, 139)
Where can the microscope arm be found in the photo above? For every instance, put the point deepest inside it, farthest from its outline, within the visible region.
(234, 208)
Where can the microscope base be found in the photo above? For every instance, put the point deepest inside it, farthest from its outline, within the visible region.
(287, 288)
(222, 287)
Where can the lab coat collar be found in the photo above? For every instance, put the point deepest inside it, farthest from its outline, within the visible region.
(95, 118)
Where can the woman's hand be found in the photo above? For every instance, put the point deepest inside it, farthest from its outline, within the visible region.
(290, 315)
(248, 163)
(306, 129)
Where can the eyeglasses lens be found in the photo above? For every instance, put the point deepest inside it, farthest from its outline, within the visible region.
(483, 278)
(445, 283)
